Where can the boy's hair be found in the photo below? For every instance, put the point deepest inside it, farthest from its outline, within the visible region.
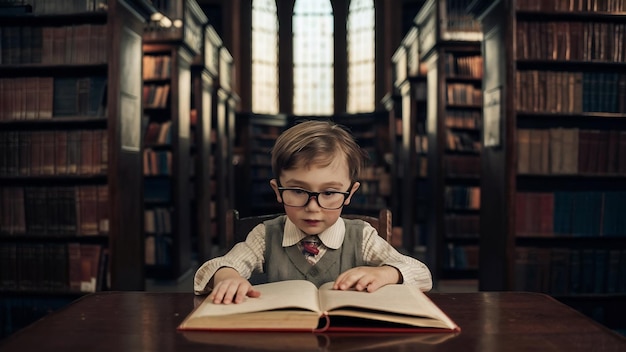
(319, 143)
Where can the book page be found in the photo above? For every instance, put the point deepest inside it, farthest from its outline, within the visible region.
(404, 300)
(277, 295)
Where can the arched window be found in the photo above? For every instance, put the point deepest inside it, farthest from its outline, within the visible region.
(313, 58)
(264, 57)
(361, 54)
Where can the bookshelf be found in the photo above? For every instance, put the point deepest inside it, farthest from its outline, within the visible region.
(70, 179)
(552, 170)
(449, 48)
(226, 103)
(410, 142)
(257, 135)
(393, 105)
(204, 73)
(168, 53)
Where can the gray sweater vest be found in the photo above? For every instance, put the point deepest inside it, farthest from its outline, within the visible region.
(288, 263)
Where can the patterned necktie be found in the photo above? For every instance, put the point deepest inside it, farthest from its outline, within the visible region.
(310, 248)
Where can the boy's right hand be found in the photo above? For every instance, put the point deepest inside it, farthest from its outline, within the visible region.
(230, 287)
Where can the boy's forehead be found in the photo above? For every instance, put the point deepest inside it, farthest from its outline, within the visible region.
(336, 161)
(328, 171)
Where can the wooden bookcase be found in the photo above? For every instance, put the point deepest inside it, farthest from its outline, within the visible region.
(410, 143)
(449, 46)
(204, 73)
(70, 153)
(553, 170)
(257, 134)
(224, 120)
(167, 103)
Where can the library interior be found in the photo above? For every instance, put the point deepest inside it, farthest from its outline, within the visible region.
(132, 130)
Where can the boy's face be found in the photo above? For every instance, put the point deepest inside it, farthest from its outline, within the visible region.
(311, 218)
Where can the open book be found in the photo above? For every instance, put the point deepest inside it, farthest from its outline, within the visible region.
(297, 305)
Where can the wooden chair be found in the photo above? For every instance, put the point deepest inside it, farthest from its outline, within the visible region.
(238, 228)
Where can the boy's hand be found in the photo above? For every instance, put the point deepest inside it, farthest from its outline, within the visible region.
(366, 278)
(230, 287)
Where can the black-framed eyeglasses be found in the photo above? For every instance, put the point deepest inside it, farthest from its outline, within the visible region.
(298, 197)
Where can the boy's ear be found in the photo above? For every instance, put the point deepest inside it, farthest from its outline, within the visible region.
(355, 186)
(274, 185)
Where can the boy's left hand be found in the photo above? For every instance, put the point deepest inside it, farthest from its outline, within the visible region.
(367, 278)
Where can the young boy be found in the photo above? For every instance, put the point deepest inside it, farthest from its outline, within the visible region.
(316, 165)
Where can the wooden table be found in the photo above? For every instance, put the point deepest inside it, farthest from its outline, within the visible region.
(146, 321)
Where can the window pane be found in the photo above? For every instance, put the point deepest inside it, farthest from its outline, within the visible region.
(313, 57)
(361, 54)
(264, 57)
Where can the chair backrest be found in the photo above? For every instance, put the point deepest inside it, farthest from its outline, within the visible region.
(238, 228)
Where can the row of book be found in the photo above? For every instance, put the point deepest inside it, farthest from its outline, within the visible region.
(54, 211)
(158, 241)
(157, 162)
(462, 197)
(571, 151)
(463, 65)
(572, 5)
(570, 271)
(461, 257)
(157, 190)
(421, 144)
(462, 225)
(570, 214)
(157, 221)
(462, 141)
(43, 98)
(155, 95)
(52, 267)
(158, 133)
(464, 94)
(576, 41)
(461, 165)
(158, 250)
(157, 67)
(570, 92)
(76, 44)
(371, 192)
(457, 18)
(469, 119)
(58, 153)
